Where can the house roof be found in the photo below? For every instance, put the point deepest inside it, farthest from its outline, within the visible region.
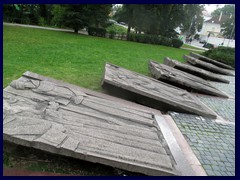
(216, 19)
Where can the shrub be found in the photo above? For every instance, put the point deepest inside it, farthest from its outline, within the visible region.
(177, 43)
(149, 39)
(112, 33)
(42, 22)
(93, 31)
(223, 54)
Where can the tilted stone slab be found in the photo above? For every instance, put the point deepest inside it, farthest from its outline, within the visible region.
(207, 66)
(151, 92)
(65, 119)
(209, 60)
(182, 79)
(194, 70)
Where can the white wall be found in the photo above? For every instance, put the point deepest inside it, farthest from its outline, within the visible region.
(210, 27)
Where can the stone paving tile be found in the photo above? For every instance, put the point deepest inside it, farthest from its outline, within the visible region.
(224, 108)
(229, 78)
(229, 89)
(213, 143)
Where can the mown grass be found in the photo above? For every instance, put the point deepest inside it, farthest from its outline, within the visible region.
(74, 58)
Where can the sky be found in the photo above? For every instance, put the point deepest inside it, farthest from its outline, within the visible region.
(211, 7)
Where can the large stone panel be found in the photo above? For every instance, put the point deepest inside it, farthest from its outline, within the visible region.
(207, 66)
(182, 79)
(212, 61)
(151, 92)
(61, 118)
(207, 75)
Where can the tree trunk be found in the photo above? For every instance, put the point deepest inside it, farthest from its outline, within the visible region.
(75, 30)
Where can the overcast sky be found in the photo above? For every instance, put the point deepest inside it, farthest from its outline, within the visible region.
(211, 7)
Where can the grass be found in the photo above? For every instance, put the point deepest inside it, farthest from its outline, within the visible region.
(74, 58)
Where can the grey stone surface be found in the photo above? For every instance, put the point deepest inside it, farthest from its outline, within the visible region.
(151, 92)
(227, 89)
(194, 70)
(212, 61)
(207, 66)
(182, 79)
(62, 119)
(224, 108)
(213, 143)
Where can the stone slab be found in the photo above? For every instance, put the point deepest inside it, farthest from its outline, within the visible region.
(209, 60)
(62, 119)
(207, 75)
(151, 92)
(207, 66)
(182, 79)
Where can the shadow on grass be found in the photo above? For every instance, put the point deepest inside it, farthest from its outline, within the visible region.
(20, 157)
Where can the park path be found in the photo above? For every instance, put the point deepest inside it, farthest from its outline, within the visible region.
(46, 28)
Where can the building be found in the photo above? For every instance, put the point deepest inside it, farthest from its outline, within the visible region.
(213, 26)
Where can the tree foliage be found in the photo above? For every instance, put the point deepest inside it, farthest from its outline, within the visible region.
(78, 16)
(228, 27)
(160, 19)
(75, 16)
(226, 10)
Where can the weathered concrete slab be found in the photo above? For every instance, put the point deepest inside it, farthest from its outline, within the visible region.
(151, 92)
(207, 66)
(64, 119)
(182, 79)
(209, 60)
(194, 70)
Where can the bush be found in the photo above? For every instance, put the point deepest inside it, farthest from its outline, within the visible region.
(112, 33)
(42, 22)
(150, 39)
(225, 55)
(93, 31)
(177, 43)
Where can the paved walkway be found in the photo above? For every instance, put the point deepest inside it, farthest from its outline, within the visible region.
(213, 141)
(47, 28)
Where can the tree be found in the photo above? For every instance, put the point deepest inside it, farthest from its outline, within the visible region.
(192, 18)
(228, 26)
(225, 10)
(77, 16)
(160, 19)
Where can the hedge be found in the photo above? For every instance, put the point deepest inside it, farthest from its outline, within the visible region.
(223, 54)
(154, 39)
(93, 31)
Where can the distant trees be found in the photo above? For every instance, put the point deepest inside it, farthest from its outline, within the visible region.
(75, 16)
(228, 27)
(160, 19)
(154, 19)
(83, 15)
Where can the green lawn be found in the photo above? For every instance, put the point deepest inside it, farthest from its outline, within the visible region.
(74, 58)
